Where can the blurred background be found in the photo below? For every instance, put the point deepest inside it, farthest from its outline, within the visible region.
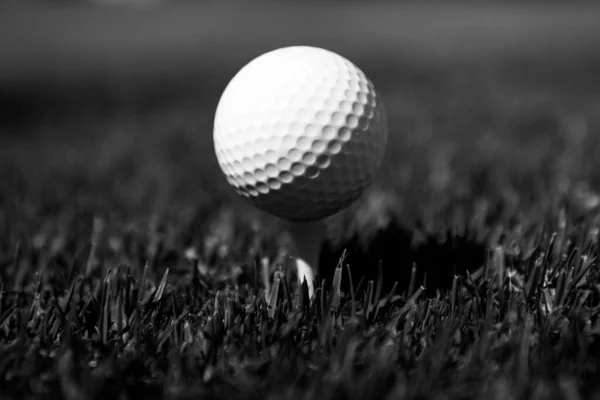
(174, 46)
(106, 106)
(146, 51)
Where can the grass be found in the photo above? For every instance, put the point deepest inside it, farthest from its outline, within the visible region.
(469, 269)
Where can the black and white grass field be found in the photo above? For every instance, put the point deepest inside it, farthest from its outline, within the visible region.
(129, 268)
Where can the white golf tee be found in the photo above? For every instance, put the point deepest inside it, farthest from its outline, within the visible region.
(308, 238)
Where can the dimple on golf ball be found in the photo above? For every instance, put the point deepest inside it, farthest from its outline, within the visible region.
(300, 132)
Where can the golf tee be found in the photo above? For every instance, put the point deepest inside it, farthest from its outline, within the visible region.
(308, 238)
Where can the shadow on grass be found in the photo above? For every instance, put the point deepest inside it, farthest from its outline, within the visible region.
(436, 259)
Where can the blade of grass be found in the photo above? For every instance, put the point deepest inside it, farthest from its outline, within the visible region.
(334, 302)
(141, 292)
(352, 297)
(367, 302)
(413, 280)
(273, 296)
(158, 294)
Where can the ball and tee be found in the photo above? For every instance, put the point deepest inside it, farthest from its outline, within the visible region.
(300, 132)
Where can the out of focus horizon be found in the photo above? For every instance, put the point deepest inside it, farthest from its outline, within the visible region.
(73, 40)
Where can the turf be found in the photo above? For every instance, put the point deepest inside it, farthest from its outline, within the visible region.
(468, 270)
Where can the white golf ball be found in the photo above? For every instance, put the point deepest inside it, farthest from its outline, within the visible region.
(300, 132)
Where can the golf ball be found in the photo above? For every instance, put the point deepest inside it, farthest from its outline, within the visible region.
(300, 132)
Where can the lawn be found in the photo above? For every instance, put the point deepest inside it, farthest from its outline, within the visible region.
(129, 268)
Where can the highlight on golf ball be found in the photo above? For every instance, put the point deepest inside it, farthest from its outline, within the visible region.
(300, 132)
